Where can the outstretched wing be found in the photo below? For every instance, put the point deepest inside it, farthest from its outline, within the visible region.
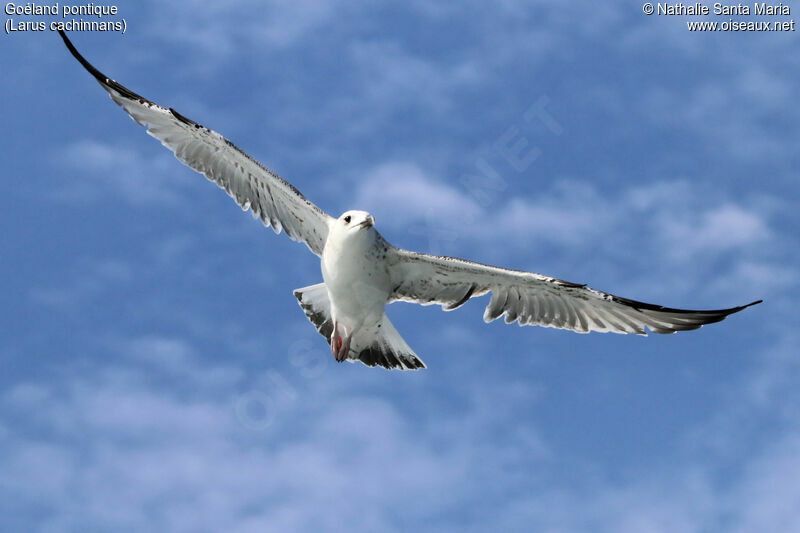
(253, 186)
(533, 299)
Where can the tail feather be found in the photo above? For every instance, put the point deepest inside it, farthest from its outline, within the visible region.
(379, 345)
(382, 345)
(317, 307)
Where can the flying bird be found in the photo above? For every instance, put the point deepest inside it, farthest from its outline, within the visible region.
(362, 272)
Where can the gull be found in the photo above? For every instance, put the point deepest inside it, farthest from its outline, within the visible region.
(362, 272)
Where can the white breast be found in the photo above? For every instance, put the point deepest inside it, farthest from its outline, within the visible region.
(356, 275)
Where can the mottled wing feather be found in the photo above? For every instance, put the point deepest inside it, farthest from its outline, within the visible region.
(275, 201)
(533, 299)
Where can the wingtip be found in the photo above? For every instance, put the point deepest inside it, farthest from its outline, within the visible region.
(82, 60)
(68, 43)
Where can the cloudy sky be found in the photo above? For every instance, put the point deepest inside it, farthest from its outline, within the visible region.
(158, 375)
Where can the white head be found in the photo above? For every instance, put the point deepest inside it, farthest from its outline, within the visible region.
(352, 221)
(353, 226)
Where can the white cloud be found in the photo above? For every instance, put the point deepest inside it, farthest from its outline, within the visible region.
(555, 219)
(125, 453)
(122, 447)
(768, 498)
(760, 276)
(711, 230)
(90, 280)
(178, 359)
(393, 74)
(104, 169)
(404, 194)
(221, 30)
(759, 94)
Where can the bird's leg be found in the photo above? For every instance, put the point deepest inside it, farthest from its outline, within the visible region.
(344, 348)
(340, 345)
(335, 339)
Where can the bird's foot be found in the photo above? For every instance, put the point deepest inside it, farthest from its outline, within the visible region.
(340, 345)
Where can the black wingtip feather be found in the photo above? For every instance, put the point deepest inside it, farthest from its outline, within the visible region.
(651, 307)
(188, 121)
(77, 55)
(685, 320)
(104, 80)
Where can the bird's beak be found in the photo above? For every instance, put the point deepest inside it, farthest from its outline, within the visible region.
(368, 222)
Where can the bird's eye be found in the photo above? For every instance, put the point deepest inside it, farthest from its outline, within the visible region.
(347, 219)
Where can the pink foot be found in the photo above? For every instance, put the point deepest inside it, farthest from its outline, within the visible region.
(344, 348)
(340, 346)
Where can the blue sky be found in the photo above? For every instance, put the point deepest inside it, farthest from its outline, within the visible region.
(157, 373)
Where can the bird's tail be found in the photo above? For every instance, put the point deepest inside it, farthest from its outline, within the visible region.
(379, 345)
(382, 345)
